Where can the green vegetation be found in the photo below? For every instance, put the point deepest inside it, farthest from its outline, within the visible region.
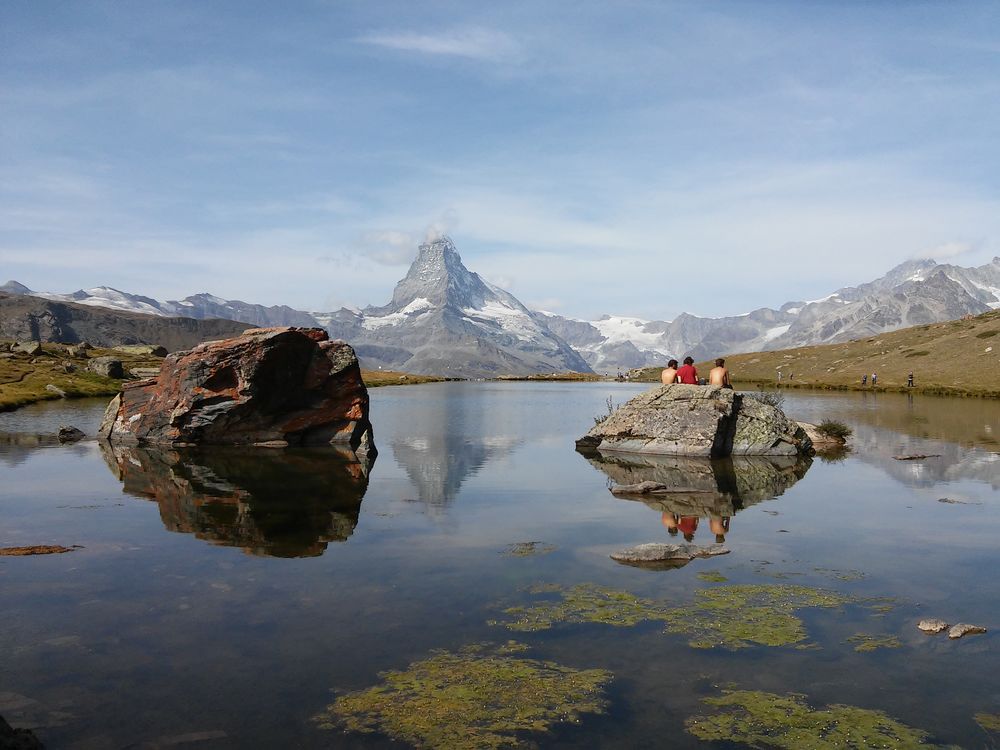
(712, 576)
(611, 406)
(834, 429)
(584, 602)
(557, 377)
(948, 358)
(865, 642)
(24, 379)
(378, 378)
(989, 722)
(739, 616)
(761, 719)
(528, 549)
(480, 697)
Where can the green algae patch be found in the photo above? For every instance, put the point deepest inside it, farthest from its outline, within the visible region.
(745, 615)
(989, 722)
(865, 642)
(583, 603)
(528, 549)
(762, 719)
(841, 575)
(712, 576)
(479, 697)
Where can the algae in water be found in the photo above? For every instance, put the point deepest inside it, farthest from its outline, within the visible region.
(864, 642)
(761, 719)
(479, 697)
(749, 614)
(582, 603)
(989, 722)
(712, 576)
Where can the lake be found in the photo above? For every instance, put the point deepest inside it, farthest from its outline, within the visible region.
(231, 599)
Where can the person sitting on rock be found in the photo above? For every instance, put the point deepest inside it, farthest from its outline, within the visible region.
(688, 374)
(669, 375)
(719, 375)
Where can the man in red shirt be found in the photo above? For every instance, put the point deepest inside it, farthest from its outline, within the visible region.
(687, 374)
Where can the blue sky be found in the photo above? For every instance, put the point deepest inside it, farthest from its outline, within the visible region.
(640, 158)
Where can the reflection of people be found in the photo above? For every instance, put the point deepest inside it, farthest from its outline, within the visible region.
(669, 374)
(687, 525)
(669, 520)
(720, 527)
(719, 375)
(687, 374)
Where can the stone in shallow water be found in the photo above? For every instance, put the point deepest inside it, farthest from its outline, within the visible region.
(481, 696)
(932, 626)
(964, 629)
(674, 554)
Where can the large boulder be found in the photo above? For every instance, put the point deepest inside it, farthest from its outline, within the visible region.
(109, 367)
(694, 420)
(269, 386)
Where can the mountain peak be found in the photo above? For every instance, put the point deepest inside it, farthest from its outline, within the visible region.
(15, 287)
(439, 276)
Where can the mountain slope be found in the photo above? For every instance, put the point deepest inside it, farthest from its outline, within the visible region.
(444, 319)
(25, 318)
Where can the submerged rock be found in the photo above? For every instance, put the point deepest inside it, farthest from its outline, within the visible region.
(932, 626)
(674, 555)
(274, 386)
(68, 434)
(964, 629)
(692, 420)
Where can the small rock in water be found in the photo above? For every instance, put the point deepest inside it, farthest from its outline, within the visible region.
(932, 626)
(70, 434)
(677, 554)
(52, 388)
(962, 629)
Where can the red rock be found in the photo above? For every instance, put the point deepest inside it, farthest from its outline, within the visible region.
(269, 385)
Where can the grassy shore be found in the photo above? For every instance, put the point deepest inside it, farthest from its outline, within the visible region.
(557, 377)
(378, 378)
(25, 379)
(955, 358)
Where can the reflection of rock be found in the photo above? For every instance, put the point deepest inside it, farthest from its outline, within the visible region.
(276, 503)
(703, 486)
(17, 739)
(691, 420)
(271, 385)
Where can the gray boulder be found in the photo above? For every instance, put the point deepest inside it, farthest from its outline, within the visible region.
(109, 367)
(658, 555)
(693, 420)
(68, 434)
(31, 348)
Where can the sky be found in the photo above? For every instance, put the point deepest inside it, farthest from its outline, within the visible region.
(633, 158)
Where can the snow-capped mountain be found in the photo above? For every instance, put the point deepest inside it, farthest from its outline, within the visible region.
(913, 293)
(443, 319)
(442, 315)
(199, 306)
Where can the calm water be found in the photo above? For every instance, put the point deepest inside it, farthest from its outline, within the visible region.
(226, 599)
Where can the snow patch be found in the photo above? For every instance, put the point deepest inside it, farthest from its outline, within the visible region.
(772, 333)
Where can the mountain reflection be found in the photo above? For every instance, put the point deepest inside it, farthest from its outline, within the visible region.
(282, 503)
(699, 488)
(450, 440)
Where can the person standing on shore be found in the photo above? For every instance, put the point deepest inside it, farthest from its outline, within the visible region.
(669, 374)
(688, 374)
(909, 380)
(874, 379)
(864, 380)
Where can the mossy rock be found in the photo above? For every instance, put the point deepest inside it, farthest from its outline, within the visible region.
(865, 642)
(761, 719)
(479, 697)
(989, 722)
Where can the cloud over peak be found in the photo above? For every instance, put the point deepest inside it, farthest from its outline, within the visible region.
(472, 42)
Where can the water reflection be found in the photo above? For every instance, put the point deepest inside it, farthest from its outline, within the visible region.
(287, 503)
(702, 488)
(449, 440)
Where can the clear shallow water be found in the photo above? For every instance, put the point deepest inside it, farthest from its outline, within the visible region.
(224, 596)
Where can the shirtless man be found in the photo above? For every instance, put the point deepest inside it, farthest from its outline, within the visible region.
(719, 375)
(669, 375)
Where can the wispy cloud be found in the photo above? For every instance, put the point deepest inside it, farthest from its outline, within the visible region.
(473, 42)
(949, 250)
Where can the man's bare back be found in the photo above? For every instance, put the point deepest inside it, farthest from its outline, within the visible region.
(719, 375)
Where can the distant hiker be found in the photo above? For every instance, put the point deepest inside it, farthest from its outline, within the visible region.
(909, 380)
(719, 375)
(874, 379)
(669, 374)
(779, 376)
(864, 380)
(687, 374)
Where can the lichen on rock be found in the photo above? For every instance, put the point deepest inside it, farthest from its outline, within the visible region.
(478, 697)
(762, 719)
